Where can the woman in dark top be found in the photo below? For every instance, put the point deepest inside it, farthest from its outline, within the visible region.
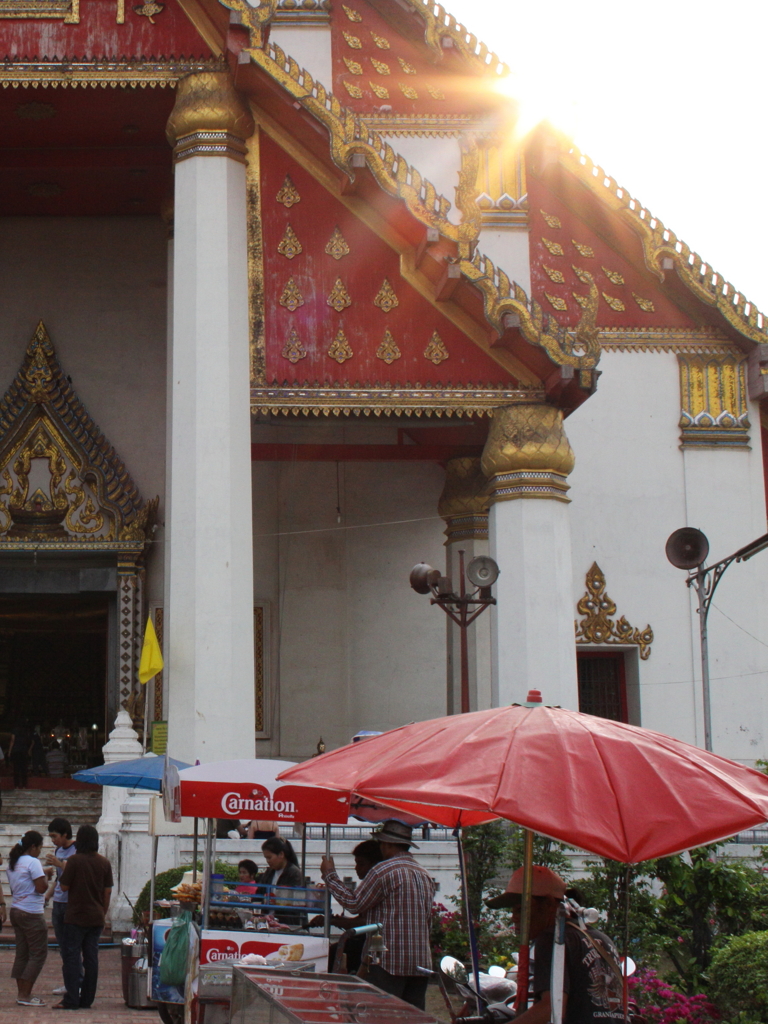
(283, 870)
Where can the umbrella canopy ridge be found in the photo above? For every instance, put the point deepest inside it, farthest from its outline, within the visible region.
(140, 773)
(616, 790)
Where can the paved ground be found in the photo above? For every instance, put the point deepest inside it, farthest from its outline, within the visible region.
(108, 1008)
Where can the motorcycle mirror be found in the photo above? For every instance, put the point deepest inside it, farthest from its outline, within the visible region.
(628, 966)
(496, 971)
(455, 969)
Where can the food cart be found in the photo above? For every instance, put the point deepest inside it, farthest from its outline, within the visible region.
(229, 920)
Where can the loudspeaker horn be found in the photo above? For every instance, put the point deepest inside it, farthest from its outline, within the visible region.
(424, 577)
(482, 571)
(687, 548)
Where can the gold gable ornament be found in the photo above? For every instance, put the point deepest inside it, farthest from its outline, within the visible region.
(62, 484)
(598, 627)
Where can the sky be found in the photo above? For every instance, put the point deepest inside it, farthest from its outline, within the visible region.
(668, 96)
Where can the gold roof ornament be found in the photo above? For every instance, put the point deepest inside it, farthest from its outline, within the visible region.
(340, 349)
(339, 298)
(293, 350)
(79, 492)
(386, 299)
(290, 246)
(291, 297)
(436, 352)
(337, 246)
(388, 351)
(288, 194)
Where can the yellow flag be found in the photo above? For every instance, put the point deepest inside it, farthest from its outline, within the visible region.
(151, 656)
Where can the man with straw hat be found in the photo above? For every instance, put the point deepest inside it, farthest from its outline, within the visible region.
(399, 893)
(592, 985)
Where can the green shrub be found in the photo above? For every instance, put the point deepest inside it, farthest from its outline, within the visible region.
(167, 880)
(738, 977)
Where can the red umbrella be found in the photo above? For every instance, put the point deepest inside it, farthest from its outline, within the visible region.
(615, 790)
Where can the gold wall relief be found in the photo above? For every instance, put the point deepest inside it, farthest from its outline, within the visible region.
(337, 246)
(255, 242)
(386, 299)
(598, 626)
(551, 219)
(614, 276)
(293, 350)
(583, 250)
(340, 349)
(291, 297)
(388, 351)
(380, 66)
(339, 298)
(354, 90)
(556, 302)
(289, 246)
(554, 247)
(646, 305)
(380, 41)
(409, 69)
(288, 194)
(713, 399)
(554, 275)
(351, 13)
(353, 66)
(408, 91)
(616, 304)
(147, 10)
(379, 90)
(436, 352)
(353, 41)
(61, 482)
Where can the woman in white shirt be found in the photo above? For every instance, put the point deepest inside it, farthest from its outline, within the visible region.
(27, 881)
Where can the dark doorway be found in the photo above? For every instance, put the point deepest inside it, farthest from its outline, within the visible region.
(602, 685)
(53, 663)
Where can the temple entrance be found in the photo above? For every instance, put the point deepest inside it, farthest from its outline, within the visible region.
(54, 669)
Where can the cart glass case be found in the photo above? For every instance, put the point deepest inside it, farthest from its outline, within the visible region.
(274, 997)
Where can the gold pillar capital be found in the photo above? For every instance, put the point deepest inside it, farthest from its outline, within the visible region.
(464, 501)
(210, 118)
(527, 454)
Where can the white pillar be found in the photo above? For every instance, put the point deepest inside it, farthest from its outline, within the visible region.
(464, 506)
(527, 458)
(210, 610)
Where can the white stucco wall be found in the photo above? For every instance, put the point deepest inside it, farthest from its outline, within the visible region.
(310, 47)
(353, 646)
(99, 284)
(631, 488)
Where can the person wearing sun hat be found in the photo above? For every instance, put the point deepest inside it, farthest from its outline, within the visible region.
(592, 988)
(399, 893)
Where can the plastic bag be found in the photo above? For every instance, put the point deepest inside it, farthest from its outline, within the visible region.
(173, 959)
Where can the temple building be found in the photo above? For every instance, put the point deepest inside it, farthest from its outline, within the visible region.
(288, 304)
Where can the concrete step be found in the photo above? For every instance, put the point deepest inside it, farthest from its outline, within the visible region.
(23, 809)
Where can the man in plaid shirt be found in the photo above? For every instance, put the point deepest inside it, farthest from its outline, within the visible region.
(399, 893)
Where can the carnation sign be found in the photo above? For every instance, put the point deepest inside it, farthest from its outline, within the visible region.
(250, 789)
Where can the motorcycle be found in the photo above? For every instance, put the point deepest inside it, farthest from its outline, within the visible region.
(495, 1003)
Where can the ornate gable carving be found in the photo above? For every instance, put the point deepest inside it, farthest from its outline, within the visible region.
(61, 482)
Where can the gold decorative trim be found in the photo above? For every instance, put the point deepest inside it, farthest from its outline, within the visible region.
(289, 245)
(661, 246)
(699, 340)
(388, 351)
(67, 11)
(410, 400)
(527, 453)
(209, 118)
(436, 352)
(293, 350)
(440, 25)
(288, 194)
(430, 126)
(291, 297)
(340, 349)
(337, 245)
(255, 242)
(464, 501)
(386, 299)
(598, 610)
(713, 398)
(210, 144)
(339, 298)
(302, 12)
(529, 483)
(130, 73)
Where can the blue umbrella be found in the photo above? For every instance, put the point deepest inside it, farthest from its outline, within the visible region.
(143, 773)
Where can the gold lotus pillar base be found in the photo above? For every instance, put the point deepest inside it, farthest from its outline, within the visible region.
(527, 460)
(464, 507)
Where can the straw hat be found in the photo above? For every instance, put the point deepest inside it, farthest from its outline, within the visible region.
(545, 882)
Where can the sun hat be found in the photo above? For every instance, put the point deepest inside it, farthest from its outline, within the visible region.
(393, 831)
(545, 882)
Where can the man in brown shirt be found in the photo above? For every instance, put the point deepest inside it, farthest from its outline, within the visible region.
(87, 878)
